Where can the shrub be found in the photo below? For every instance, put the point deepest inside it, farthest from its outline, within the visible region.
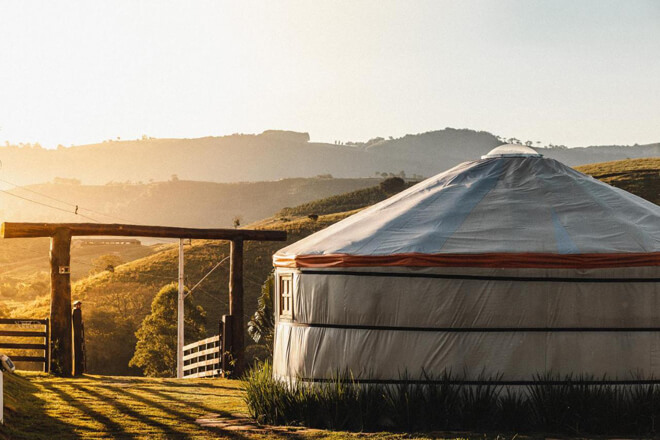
(578, 405)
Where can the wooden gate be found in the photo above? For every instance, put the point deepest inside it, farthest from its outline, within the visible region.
(25, 328)
(202, 358)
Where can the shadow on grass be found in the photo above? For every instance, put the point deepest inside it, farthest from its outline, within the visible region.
(172, 383)
(27, 416)
(168, 430)
(199, 406)
(111, 427)
(217, 430)
(178, 414)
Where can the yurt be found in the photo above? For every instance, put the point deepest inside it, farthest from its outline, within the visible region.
(510, 266)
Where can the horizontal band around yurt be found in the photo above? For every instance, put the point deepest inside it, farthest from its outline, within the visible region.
(474, 329)
(480, 277)
(484, 382)
(490, 260)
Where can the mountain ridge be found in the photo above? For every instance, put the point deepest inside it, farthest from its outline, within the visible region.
(273, 155)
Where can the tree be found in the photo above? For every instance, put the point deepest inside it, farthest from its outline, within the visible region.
(262, 325)
(392, 185)
(105, 262)
(155, 351)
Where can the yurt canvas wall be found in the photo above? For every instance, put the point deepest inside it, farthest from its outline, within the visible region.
(513, 265)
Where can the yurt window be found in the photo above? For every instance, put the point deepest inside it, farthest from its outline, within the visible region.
(286, 296)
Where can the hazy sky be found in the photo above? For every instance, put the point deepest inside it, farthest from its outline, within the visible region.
(573, 72)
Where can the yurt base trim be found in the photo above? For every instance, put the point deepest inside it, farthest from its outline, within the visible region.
(473, 329)
(482, 277)
(490, 260)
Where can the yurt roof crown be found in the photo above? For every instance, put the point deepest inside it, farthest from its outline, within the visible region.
(512, 150)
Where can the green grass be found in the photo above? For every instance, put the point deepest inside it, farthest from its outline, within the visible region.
(638, 176)
(38, 406)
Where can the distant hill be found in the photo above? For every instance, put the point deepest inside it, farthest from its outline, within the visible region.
(638, 176)
(116, 302)
(172, 203)
(272, 155)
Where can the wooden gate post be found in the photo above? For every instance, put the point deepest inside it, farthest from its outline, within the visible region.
(60, 303)
(47, 349)
(78, 342)
(236, 305)
(226, 348)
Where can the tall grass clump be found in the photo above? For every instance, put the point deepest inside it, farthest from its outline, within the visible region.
(570, 405)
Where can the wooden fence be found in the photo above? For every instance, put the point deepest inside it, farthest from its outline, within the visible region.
(26, 330)
(202, 358)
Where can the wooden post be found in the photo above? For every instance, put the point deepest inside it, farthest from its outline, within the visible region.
(180, 337)
(226, 334)
(60, 303)
(47, 349)
(236, 305)
(78, 343)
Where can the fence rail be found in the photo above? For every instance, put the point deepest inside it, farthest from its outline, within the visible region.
(202, 358)
(24, 321)
(23, 324)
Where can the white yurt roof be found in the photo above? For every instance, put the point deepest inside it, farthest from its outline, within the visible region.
(512, 201)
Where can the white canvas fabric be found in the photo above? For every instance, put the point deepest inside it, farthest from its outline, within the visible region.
(382, 323)
(499, 204)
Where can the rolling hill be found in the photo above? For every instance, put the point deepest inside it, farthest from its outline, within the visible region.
(639, 176)
(271, 155)
(115, 302)
(172, 203)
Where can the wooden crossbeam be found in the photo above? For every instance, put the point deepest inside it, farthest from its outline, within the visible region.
(28, 230)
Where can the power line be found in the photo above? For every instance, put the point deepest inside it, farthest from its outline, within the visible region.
(73, 205)
(206, 276)
(47, 205)
(23, 188)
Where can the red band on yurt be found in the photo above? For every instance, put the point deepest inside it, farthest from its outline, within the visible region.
(489, 260)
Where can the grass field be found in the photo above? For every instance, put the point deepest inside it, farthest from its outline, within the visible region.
(38, 406)
(638, 176)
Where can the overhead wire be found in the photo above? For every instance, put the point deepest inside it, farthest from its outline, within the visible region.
(25, 188)
(76, 207)
(48, 206)
(190, 291)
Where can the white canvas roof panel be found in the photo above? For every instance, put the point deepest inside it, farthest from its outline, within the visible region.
(523, 204)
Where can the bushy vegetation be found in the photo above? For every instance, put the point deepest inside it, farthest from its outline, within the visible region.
(349, 201)
(261, 327)
(570, 405)
(155, 352)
